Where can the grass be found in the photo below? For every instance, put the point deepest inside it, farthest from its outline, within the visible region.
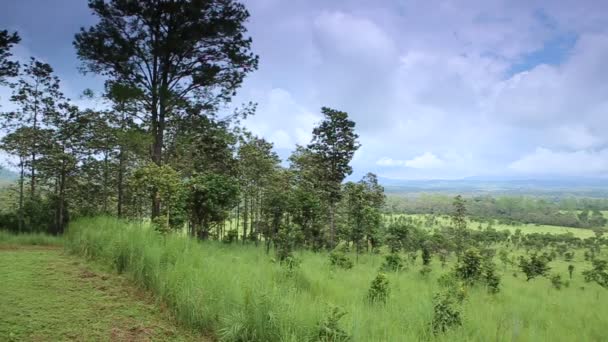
(47, 295)
(30, 239)
(239, 293)
(525, 228)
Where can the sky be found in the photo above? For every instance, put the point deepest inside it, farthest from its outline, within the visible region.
(438, 89)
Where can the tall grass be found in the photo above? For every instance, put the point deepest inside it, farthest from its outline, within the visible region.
(35, 239)
(239, 294)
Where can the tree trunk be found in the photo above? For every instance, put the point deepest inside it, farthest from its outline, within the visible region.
(238, 214)
(245, 219)
(332, 225)
(21, 178)
(106, 177)
(120, 182)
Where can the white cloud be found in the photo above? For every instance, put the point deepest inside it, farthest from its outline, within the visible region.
(425, 161)
(385, 161)
(546, 161)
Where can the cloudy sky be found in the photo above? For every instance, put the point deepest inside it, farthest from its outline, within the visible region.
(438, 89)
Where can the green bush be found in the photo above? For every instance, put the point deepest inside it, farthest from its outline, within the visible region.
(340, 260)
(392, 262)
(379, 289)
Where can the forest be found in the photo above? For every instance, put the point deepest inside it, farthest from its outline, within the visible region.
(168, 190)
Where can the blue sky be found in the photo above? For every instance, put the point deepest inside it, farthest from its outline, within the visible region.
(439, 89)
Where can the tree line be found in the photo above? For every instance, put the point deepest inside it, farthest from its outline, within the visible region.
(567, 212)
(161, 148)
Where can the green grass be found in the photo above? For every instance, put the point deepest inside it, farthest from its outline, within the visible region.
(525, 228)
(46, 295)
(30, 239)
(239, 293)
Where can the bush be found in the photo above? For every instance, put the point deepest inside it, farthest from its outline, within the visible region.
(340, 260)
(231, 236)
(379, 289)
(392, 262)
(329, 327)
(556, 281)
(425, 270)
(489, 276)
(446, 314)
(534, 267)
(469, 268)
(599, 273)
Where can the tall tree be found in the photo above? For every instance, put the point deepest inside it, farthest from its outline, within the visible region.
(36, 95)
(8, 68)
(334, 143)
(175, 51)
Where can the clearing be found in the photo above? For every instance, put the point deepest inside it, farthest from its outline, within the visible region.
(46, 295)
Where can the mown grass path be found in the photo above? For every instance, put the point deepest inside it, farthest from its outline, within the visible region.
(46, 295)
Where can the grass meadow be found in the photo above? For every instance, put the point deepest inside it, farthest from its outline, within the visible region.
(525, 228)
(239, 293)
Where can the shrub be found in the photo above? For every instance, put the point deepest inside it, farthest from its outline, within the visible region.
(534, 266)
(329, 327)
(556, 281)
(469, 268)
(425, 270)
(340, 260)
(379, 289)
(446, 314)
(392, 262)
(599, 273)
(491, 279)
(231, 236)
(426, 255)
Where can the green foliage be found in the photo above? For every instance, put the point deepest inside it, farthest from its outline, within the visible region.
(446, 313)
(556, 281)
(379, 290)
(490, 277)
(469, 268)
(392, 262)
(534, 266)
(425, 271)
(8, 68)
(570, 270)
(339, 259)
(209, 199)
(231, 236)
(598, 274)
(329, 326)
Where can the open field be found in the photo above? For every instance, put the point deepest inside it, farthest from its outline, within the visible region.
(47, 295)
(525, 228)
(240, 293)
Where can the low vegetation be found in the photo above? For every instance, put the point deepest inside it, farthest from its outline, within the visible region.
(49, 296)
(236, 291)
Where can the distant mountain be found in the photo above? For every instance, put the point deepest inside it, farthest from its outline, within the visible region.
(588, 187)
(7, 175)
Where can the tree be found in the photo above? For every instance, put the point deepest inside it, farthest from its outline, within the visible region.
(179, 53)
(534, 267)
(210, 197)
(334, 144)
(36, 96)
(459, 220)
(362, 218)
(8, 68)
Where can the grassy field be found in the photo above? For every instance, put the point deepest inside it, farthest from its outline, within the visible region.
(525, 228)
(239, 293)
(47, 295)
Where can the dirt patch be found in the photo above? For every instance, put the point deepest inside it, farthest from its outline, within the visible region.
(84, 274)
(131, 333)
